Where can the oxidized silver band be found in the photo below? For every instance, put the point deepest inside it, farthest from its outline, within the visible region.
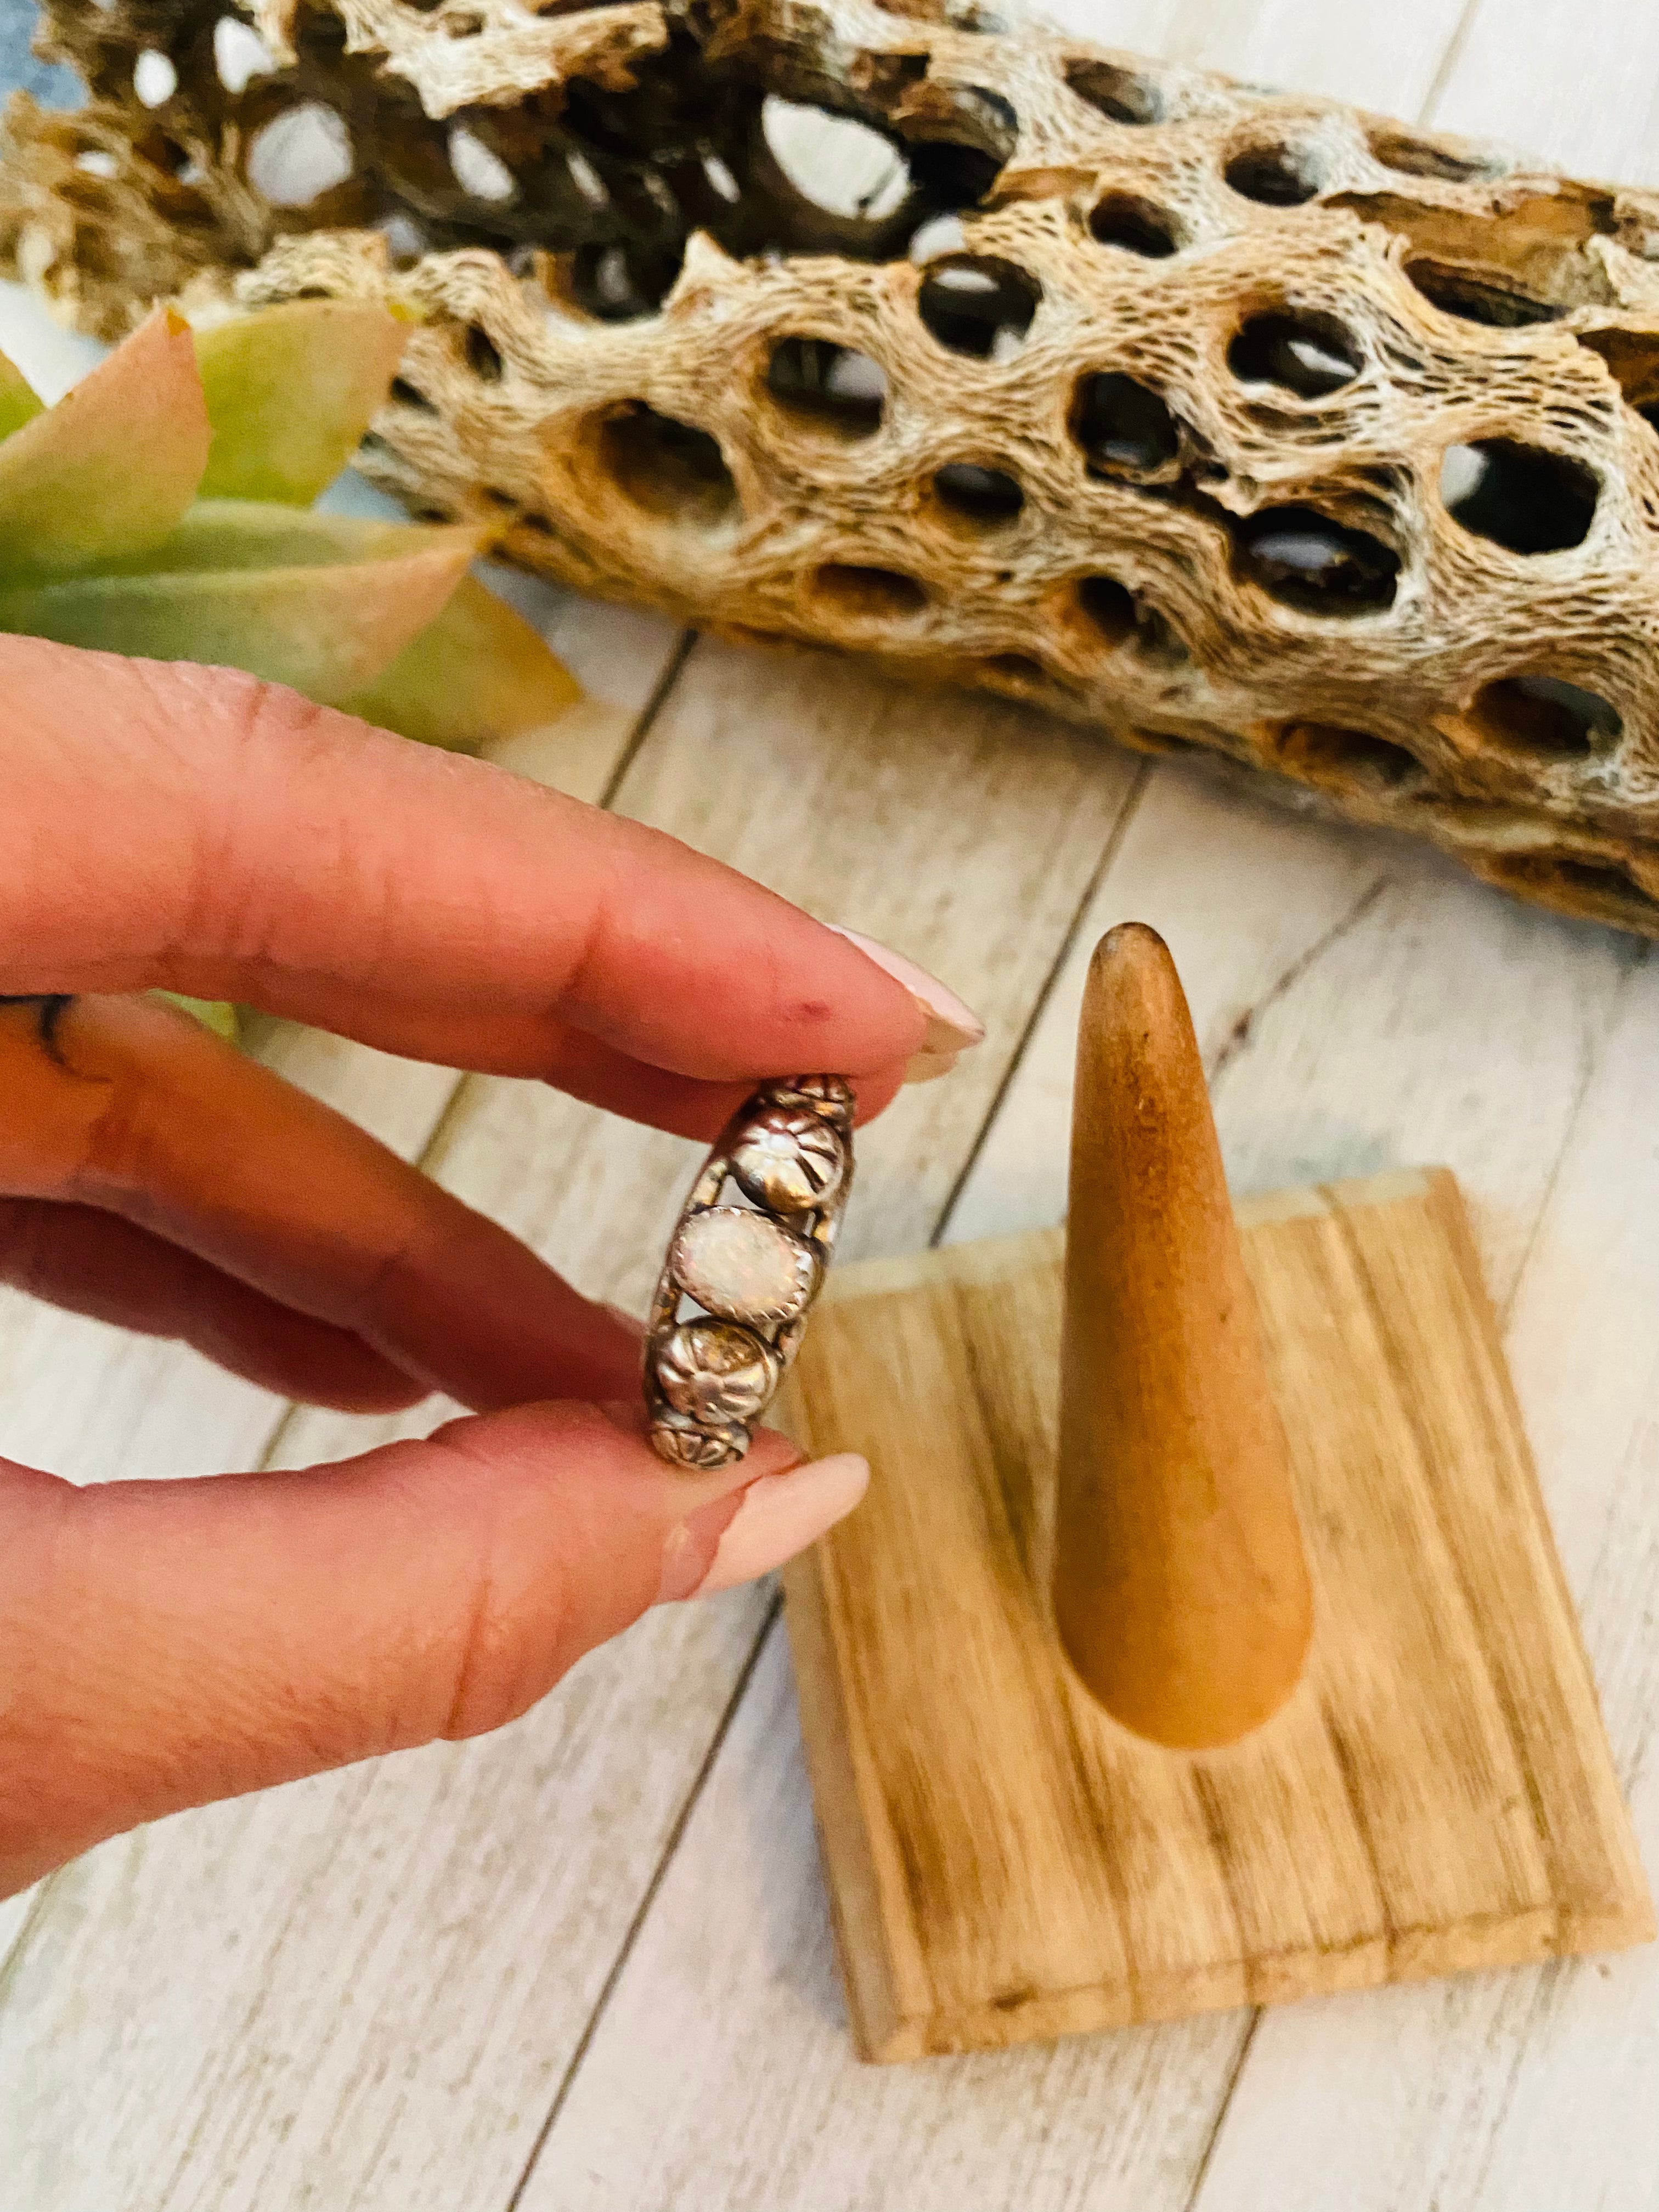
(752, 1270)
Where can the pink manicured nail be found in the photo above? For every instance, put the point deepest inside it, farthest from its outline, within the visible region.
(781, 1514)
(928, 1066)
(952, 1026)
(776, 1516)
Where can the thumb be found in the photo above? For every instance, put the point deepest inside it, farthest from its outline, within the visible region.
(164, 1643)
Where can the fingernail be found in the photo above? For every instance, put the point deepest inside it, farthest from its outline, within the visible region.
(952, 1026)
(928, 1066)
(776, 1518)
(631, 1323)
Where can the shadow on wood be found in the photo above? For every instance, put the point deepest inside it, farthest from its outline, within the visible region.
(1007, 1861)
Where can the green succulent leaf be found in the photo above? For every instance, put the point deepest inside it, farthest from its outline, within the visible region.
(323, 602)
(220, 535)
(18, 403)
(478, 674)
(215, 1014)
(290, 392)
(106, 473)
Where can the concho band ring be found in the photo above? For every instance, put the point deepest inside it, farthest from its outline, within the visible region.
(748, 1272)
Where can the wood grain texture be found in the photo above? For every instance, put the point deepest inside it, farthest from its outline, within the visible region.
(1363, 1009)
(1363, 1005)
(1581, 84)
(1371, 57)
(1357, 1008)
(1005, 1862)
(721, 2077)
(1535, 2091)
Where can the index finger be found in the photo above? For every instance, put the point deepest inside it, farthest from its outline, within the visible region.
(192, 828)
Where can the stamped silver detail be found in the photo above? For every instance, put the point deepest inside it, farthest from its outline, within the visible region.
(789, 1157)
(753, 1270)
(698, 1446)
(715, 1371)
(829, 1095)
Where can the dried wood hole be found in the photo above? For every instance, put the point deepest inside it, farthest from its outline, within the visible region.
(1308, 560)
(1109, 606)
(1121, 95)
(1473, 296)
(1135, 225)
(978, 306)
(1308, 353)
(1602, 888)
(667, 468)
(1328, 755)
(1545, 717)
(1409, 156)
(406, 394)
(980, 497)
(863, 594)
(1521, 497)
(828, 385)
(1115, 616)
(1274, 174)
(1123, 425)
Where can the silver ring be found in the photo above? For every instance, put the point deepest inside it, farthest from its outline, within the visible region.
(749, 1272)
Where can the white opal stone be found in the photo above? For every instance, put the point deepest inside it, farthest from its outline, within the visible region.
(743, 1266)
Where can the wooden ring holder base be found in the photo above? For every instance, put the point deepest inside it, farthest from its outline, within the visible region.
(1007, 1861)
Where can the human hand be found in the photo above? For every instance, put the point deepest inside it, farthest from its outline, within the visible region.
(162, 1644)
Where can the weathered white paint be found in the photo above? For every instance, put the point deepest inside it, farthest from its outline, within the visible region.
(373, 1989)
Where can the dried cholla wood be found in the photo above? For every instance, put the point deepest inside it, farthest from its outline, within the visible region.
(495, 52)
(1212, 416)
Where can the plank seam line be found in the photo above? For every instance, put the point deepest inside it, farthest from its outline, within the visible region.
(1449, 61)
(1207, 2157)
(1595, 1054)
(10, 1964)
(1108, 852)
(1552, 1977)
(646, 719)
(1233, 1045)
(1237, 1039)
(1347, 1768)
(438, 1137)
(1215, 1830)
(1503, 1695)
(648, 1899)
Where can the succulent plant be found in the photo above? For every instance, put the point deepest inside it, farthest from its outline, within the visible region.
(163, 507)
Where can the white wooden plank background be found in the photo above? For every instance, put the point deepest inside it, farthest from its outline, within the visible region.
(585, 1963)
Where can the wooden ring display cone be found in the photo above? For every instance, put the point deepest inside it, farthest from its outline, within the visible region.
(1200, 1807)
(1180, 1593)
